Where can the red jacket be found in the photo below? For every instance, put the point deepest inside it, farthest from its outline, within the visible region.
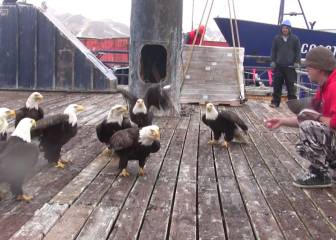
(192, 35)
(325, 99)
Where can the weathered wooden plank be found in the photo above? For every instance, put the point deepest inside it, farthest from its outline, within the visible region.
(91, 195)
(156, 219)
(254, 119)
(88, 197)
(207, 66)
(210, 221)
(70, 223)
(83, 71)
(103, 105)
(184, 215)
(41, 222)
(100, 222)
(104, 216)
(27, 46)
(263, 221)
(233, 207)
(46, 217)
(284, 169)
(72, 191)
(45, 53)
(64, 62)
(45, 185)
(129, 222)
(286, 216)
(101, 184)
(9, 40)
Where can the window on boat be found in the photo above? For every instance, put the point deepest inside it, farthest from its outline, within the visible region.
(153, 63)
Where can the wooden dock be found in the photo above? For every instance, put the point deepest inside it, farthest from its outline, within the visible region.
(190, 191)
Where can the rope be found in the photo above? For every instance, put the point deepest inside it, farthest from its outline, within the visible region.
(193, 45)
(206, 23)
(236, 24)
(234, 44)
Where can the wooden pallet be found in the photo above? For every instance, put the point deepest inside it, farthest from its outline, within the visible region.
(212, 75)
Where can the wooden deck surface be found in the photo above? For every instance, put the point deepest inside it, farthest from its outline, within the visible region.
(190, 191)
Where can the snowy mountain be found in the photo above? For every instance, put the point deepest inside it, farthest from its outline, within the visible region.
(81, 26)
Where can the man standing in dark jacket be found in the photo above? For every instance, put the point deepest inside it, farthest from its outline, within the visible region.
(285, 58)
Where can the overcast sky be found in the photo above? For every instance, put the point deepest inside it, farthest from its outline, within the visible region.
(255, 10)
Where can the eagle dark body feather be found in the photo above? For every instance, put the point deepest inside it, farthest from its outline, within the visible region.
(142, 119)
(155, 96)
(105, 130)
(127, 146)
(25, 112)
(54, 131)
(226, 123)
(17, 157)
(3, 136)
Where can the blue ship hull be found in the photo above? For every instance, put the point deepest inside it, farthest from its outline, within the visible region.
(257, 37)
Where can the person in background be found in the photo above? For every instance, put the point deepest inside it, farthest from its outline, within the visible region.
(285, 57)
(190, 36)
(317, 129)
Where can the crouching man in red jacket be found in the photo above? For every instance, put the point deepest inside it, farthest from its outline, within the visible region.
(317, 132)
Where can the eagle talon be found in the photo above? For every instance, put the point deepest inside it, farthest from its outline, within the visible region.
(141, 172)
(212, 142)
(124, 173)
(60, 165)
(107, 152)
(24, 198)
(64, 161)
(225, 144)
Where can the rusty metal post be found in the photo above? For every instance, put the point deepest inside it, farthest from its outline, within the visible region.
(155, 47)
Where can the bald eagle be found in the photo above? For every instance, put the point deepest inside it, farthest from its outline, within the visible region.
(5, 113)
(155, 96)
(17, 156)
(114, 121)
(31, 110)
(223, 122)
(135, 144)
(55, 131)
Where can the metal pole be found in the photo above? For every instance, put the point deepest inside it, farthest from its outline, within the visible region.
(304, 16)
(281, 12)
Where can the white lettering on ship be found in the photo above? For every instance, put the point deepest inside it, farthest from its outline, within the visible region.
(305, 47)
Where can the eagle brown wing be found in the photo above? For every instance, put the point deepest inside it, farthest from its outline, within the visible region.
(48, 121)
(19, 115)
(124, 138)
(157, 96)
(233, 117)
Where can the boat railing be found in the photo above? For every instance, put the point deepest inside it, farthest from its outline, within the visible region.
(303, 84)
(261, 76)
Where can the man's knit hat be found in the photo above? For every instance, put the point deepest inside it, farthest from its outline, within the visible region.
(287, 23)
(320, 58)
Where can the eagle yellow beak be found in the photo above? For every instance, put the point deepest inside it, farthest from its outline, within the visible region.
(124, 108)
(209, 108)
(11, 113)
(33, 123)
(38, 97)
(157, 135)
(80, 108)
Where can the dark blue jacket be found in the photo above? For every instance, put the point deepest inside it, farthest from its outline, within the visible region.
(286, 53)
